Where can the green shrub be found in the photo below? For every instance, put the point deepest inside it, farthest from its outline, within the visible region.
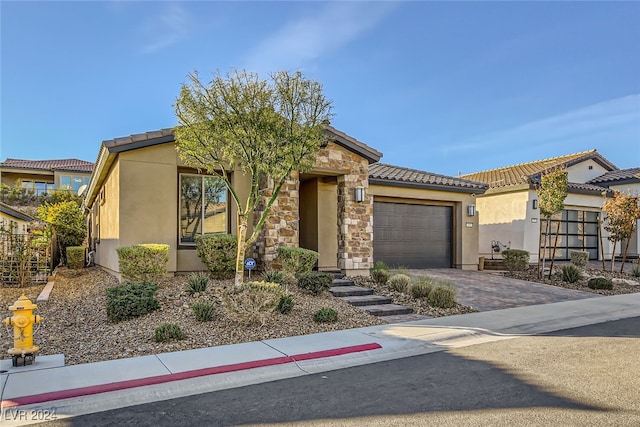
(168, 331)
(197, 283)
(252, 302)
(297, 261)
(275, 276)
(636, 270)
(315, 282)
(600, 283)
(380, 276)
(325, 315)
(380, 265)
(75, 256)
(579, 258)
(218, 252)
(571, 273)
(285, 305)
(442, 296)
(421, 288)
(515, 259)
(143, 263)
(204, 311)
(131, 300)
(400, 282)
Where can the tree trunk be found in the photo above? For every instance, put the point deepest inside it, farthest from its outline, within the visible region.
(553, 253)
(242, 234)
(604, 267)
(613, 254)
(544, 248)
(539, 249)
(624, 256)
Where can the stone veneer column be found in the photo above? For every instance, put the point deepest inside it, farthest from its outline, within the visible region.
(282, 227)
(355, 221)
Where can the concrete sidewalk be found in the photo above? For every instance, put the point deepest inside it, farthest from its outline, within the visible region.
(49, 390)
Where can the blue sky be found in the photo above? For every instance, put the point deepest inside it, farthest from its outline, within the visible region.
(446, 87)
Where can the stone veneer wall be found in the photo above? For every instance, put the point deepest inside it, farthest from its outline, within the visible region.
(355, 220)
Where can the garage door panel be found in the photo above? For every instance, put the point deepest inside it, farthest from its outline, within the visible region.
(413, 236)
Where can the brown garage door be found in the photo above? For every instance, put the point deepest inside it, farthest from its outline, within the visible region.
(412, 236)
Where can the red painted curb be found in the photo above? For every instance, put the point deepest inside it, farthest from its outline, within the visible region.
(122, 385)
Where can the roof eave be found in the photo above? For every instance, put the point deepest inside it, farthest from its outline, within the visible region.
(425, 186)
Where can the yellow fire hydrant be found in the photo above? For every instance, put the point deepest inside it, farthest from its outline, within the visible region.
(23, 319)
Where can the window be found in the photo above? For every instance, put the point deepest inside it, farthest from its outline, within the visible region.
(578, 231)
(73, 183)
(203, 206)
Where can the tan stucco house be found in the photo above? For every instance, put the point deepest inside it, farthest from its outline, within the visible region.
(347, 208)
(46, 176)
(13, 220)
(509, 215)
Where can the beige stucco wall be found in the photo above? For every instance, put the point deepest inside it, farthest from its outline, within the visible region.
(465, 238)
(106, 221)
(581, 173)
(6, 220)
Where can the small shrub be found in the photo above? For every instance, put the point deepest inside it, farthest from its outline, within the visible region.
(421, 289)
(285, 305)
(275, 276)
(442, 296)
(252, 302)
(515, 259)
(297, 261)
(204, 311)
(380, 276)
(75, 256)
(600, 283)
(131, 300)
(636, 270)
(579, 258)
(571, 273)
(143, 263)
(315, 282)
(400, 282)
(167, 332)
(379, 265)
(325, 315)
(197, 283)
(218, 252)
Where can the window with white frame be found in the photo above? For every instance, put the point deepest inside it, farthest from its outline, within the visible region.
(203, 206)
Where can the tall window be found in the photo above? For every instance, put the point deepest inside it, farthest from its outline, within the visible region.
(203, 206)
(578, 231)
(73, 183)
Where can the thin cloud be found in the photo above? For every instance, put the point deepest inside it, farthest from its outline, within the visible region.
(165, 29)
(311, 37)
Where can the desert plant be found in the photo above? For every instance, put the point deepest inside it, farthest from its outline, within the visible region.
(75, 256)
(167, 332)
(380, 265)
(297, 261)
(600, 283)
(400, 282)
(204, 311)
(197, 283)
(131, 300)
(579, 258)
(379, 276)
(325, 315)
(315, 282)
(252, 302)
(285, 305)
(635, 272)
(143, 263)
(275, 276)
(515, 259)
(421, 288)
(442, 296)
(218, 252)
(571, 273)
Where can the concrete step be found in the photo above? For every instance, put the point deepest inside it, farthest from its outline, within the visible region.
(348, 291)
(336, 274)
(343, 282)
(387, 309)
(367, 300)
(400, 318)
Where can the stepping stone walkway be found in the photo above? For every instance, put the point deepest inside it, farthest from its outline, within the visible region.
(376, 305)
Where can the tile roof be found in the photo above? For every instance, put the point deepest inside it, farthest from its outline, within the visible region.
(8, 210)
(632, 174)
(72, 165)
(380, 173)
(524, 172)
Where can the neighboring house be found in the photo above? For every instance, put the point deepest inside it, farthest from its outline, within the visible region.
(45, 176)
(13, 220)
(141, 192)
(509, 215)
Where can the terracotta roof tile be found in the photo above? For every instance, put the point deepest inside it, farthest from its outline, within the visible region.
(397, 174)
(74, 165)
(632, 174)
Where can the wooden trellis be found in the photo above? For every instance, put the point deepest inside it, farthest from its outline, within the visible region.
(24, 259)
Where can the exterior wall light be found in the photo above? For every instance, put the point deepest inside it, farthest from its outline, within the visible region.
(359, 194)
(535, 203)
(471, 210)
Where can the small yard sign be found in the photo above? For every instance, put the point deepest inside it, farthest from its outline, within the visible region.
(249, 264)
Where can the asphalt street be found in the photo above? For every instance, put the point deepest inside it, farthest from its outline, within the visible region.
(583, 376)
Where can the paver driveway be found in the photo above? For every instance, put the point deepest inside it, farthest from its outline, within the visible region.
(487, 290)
